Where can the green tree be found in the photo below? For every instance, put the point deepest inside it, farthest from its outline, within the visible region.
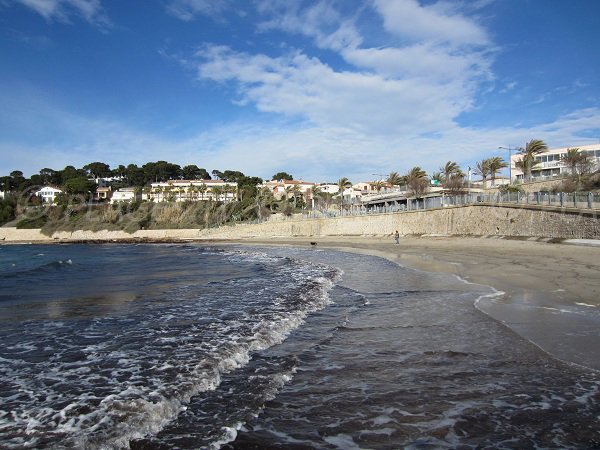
(190, 172)
(97, 169)
(282, 176)
(51, 177)
(70, 172)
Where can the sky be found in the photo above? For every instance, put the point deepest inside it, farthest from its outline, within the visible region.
(319, 89)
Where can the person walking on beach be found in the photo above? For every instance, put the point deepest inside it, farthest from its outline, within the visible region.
(397, 237)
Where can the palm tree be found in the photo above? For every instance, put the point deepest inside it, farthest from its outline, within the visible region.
(483, 168)
(577, 161)
(378, 185)
(343, 184)
(193, 191)
(495, 164)
(202, 189)
(315, 195)
(438, 177)
(159, 190)
(217, 192)
(525, 165)
(449, 169)
(417, 181)
(264, 198)
(147, 190)
(395, 179)
(528, 161)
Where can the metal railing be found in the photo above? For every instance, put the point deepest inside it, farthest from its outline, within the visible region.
(560, 200)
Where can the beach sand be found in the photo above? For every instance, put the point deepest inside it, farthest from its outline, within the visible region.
(547, 293)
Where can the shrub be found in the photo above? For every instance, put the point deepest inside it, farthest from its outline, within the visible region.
(31, 223)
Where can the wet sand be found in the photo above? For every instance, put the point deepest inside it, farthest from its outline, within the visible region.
(547, 293)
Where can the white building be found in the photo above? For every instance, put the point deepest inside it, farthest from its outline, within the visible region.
(126, 195)
(192, 190)
(48, 194)
(2, 195)
(283, 188)
(550, 163)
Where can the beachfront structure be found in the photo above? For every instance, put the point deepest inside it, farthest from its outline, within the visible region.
(288, 188)
(126, 195)
(192, 190)
(48, 194)
(550, 163)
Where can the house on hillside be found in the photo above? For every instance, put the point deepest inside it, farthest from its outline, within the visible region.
(48, 194)
(103, 194)
(125, 195)
(286, 188)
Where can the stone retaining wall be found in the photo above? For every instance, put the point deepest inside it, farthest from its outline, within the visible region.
(467, 220)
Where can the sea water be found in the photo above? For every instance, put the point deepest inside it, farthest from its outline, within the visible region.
(191, 346)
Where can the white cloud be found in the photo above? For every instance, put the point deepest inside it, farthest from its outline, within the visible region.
(62, 10)
(407, 18)
(296, 84)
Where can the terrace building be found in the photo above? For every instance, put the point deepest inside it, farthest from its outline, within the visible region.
(551, 164)
(192, 190)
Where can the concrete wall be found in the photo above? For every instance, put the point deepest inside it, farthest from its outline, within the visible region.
(469, 220)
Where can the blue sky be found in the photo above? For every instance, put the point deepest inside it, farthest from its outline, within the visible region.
(320, 89)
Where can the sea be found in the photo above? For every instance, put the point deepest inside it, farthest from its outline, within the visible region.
(195, 346)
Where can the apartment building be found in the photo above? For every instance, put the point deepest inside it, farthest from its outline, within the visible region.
(551, 164)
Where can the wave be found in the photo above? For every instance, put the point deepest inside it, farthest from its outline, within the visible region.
(125, 378)
(45, 268)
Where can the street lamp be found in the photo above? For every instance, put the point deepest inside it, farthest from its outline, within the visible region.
(510, 149)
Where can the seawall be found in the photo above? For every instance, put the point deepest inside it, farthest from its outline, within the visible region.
(481, 219)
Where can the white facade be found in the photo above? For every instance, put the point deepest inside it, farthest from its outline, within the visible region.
(282, 188)
(550, 163)
(192, 190)
(329, 188)
(2, 194)
(125, 195)
(48, 194)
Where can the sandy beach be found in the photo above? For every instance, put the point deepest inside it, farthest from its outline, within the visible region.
(547, 293)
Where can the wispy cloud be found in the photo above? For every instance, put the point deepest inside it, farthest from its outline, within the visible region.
(64, 10)
(187, 10)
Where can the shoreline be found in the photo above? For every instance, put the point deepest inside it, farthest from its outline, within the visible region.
(547, 292)
(542, 290)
